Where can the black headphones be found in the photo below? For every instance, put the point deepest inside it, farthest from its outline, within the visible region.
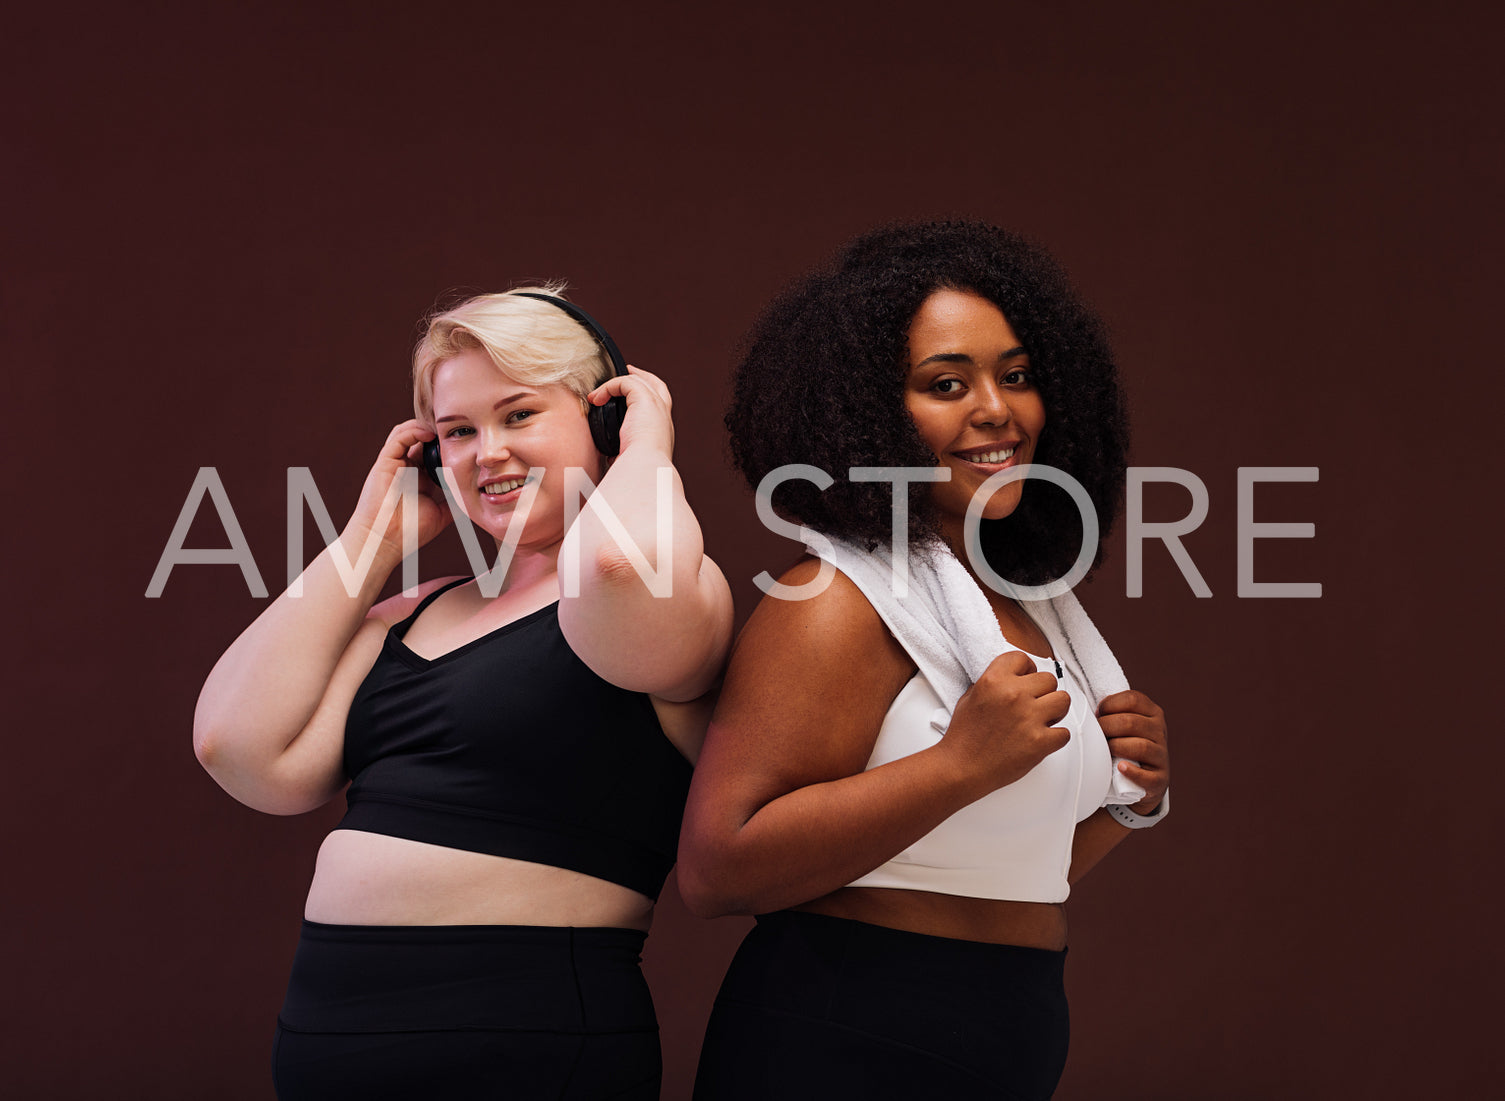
(605, 420)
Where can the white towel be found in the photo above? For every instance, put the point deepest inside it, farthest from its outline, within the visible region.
(948, 627)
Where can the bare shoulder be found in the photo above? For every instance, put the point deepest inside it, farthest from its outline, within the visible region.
(396, 608)
(824, 656)
(838, 623)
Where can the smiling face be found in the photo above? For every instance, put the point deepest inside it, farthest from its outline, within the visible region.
(493, 429)
(970, 394)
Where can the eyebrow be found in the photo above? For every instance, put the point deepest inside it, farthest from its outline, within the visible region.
(520, 396)
(962, 357)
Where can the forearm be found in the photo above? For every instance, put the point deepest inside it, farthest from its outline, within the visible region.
(660, 624)
(267, 685)
(1096, 836)
(641, 489)
(818, 838)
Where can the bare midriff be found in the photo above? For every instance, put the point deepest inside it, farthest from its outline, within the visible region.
(372, 879)
(991, 921)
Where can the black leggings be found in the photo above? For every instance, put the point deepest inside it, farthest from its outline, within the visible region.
(466, 1011)
(816, 1007)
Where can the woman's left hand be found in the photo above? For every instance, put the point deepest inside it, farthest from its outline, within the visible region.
(1135, 729)
(648, 421)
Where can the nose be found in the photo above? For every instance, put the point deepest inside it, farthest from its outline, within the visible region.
(990, 405)
(492, 449)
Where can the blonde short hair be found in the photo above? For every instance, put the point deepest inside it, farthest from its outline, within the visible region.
(532, 342)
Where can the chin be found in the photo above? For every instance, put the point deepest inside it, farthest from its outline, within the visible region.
(1001, 507)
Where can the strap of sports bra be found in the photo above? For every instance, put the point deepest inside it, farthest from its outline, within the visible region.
(402, 628)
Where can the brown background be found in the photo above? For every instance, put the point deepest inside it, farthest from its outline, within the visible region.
(221, 230)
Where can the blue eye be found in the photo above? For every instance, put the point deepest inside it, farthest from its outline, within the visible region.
(457, 431)
(519, 415)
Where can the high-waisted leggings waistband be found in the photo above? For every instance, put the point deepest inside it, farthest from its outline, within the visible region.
(384, 978)
(456, 1011)
(816, 1006)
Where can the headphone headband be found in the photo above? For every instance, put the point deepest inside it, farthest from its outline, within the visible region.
(605, 420)
(603, 338)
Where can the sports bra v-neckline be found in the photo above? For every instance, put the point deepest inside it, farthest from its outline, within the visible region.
(397, 634)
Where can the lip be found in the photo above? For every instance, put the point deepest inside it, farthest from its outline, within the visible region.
(501, 498)
(966, 455)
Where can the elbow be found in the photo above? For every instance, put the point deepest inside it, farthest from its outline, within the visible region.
(615, 567)
(706, 883)
(214, 748)
(702, 898)
(667, 572)
(206, 748)
(261, 787)
(208, 740)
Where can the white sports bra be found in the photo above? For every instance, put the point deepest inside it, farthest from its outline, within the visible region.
(1014, 843)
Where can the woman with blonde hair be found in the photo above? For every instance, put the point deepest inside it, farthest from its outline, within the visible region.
(517, 745)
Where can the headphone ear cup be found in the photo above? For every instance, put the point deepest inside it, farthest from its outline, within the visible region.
(606, 425)
(432, 462)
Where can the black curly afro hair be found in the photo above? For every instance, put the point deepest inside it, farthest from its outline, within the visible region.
(822, 382)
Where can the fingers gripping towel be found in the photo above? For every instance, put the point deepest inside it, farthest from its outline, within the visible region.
(943, 619)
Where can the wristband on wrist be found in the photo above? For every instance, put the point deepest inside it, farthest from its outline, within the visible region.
(1125, 817)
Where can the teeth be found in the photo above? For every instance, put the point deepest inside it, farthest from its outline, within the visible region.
(497, 488)
(992, 456)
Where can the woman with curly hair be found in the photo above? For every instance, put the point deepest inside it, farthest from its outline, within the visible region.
(921, 740)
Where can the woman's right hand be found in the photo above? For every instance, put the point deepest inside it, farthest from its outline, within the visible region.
(1004, 725)
(402, 451)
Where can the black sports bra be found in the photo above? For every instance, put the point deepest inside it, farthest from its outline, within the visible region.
(511, 745)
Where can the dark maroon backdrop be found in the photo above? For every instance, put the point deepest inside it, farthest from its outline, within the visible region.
(221, 230)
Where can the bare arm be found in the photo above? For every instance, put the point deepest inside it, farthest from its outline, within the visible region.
(671, 645)
(781, 810)
(1096, 836)
(1135, 728)
(269, 725)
